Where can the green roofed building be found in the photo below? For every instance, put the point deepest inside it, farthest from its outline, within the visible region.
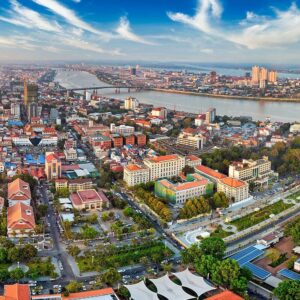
(177, 193)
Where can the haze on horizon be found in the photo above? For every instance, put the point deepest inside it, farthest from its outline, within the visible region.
(133, 30)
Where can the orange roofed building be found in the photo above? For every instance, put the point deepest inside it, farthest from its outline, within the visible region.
(22, 292)
(20, 220)
(226, 295)
(18, 192)
(53, 166)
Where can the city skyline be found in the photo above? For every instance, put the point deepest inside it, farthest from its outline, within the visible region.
(198, 30)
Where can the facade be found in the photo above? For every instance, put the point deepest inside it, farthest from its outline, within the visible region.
(131, 103)
(258, 171)
(235, 190)
(209, 173)
(30, 93)
(122, 129)
(18, 192)
(20, 220)
(15, 110)
(193, 161)
(89, 200)
(135, 174)
(140, 139)
(160, 112)
(117, 140)
(129, 139)
(195, 186)
(74, 185)
(165, 166)
(52, 166)
(210, 116)
(194, 141)
(70, 154)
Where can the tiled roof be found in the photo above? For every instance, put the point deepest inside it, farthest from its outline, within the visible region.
(16, 292)
(19, 190)
(226, 295)
(87, 196)
(158, 159)
(20, 212)
(210, 172)
(232, 182)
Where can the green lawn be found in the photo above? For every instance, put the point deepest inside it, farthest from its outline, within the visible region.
(221, 233)
(260, 216)
(101, 260)
(295, 196)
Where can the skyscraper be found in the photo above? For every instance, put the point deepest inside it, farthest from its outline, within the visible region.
(272, 76)
(255, 74)
(30, 93)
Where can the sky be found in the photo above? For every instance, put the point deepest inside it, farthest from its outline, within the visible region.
(227, 31)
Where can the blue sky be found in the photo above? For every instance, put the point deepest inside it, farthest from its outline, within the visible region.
(245, 31)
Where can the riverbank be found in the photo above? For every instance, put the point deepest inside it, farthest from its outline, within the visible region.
(229, 97)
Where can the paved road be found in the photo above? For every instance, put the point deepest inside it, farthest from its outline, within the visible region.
(58, 251)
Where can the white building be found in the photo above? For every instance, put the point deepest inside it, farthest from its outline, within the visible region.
(235, 190)
(258, 171)
(160, 112)
(131, 103)
(122, 129)
(165, 166)
(196, 141)
(135, 174)
(15, 110)
(295, 128)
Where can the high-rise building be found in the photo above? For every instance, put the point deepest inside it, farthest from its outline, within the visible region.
(272, 76)
(15, 110)
(131, 103)
(263, 74)
(52, 166)
(32, 110)
(30, 93)
(255, 74)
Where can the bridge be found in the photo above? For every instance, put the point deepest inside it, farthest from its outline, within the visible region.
(101, 88)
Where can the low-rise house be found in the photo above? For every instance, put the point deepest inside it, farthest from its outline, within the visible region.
(89, 200)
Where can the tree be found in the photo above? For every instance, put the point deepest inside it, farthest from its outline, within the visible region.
(190, 255)
(123, 292)
(4, 275)
(111, 276)
(17, 274)
(28, 252)
(213, 246)
(42, 210)
(3, 255)
(288, 290)
(273, 254)
(14, 254)
(188, 170)
(205, 264)
(220, 200)
(73, 286)
(88, 232)
(73, 250)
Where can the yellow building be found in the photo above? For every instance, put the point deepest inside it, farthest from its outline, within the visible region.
(30, 93)
(235, 190)
(52, 166)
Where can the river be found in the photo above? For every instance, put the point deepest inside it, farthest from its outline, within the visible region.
(258, 110)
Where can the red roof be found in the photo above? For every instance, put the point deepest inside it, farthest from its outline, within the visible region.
(164, 158)
(51, 157)
(19, 190)
(232, 182)
(16, 292)
(210, 172)
(20, 216)
(87, 196)
(226, 295)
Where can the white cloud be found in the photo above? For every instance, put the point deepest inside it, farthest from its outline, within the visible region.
(124, 30)
(70, 16)
(254, 32)
(25, 17)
